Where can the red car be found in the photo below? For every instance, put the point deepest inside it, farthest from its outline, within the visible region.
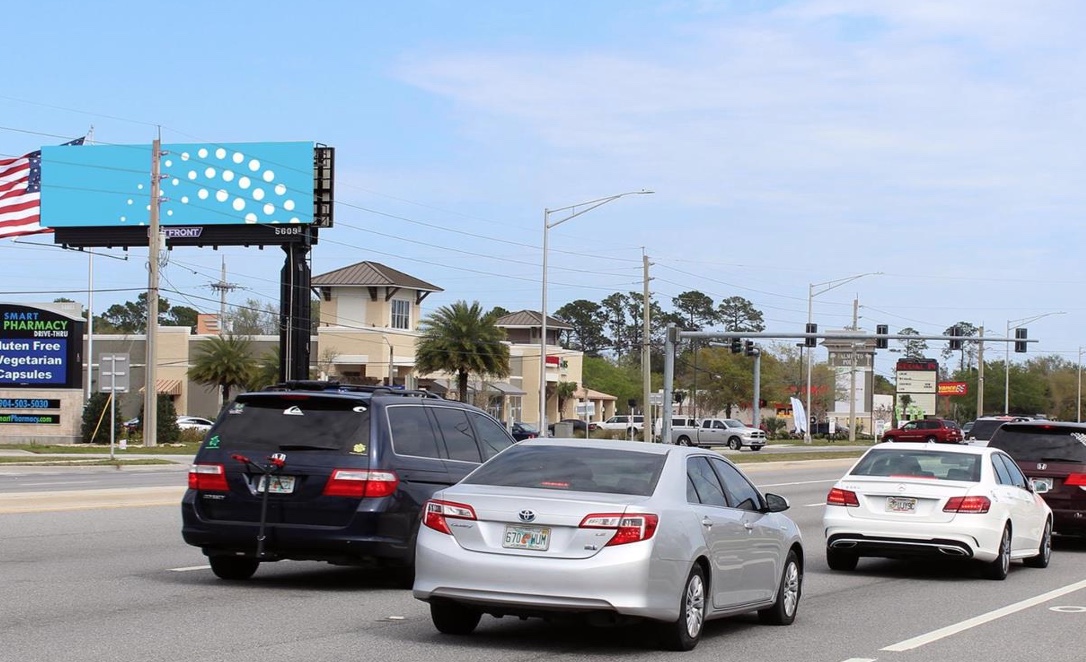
(929, 430)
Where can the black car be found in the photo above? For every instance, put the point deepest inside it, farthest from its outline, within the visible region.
(522, 431)
(1053, 457)
(328, 472)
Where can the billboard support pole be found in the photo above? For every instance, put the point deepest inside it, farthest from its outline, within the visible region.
(295, 308)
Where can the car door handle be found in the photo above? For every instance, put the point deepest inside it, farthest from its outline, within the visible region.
(707, 523)
(748, 526)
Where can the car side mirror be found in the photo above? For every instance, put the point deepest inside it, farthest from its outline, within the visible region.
(775, 503)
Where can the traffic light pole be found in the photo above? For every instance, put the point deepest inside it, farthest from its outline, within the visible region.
(674, 336)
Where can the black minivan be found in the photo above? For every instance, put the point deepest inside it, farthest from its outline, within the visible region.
(321, 471)
(1053, 456)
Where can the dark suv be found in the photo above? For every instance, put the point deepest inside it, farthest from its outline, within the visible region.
(328, 472)
(930, 430)
(1053, 457)
(984, 427)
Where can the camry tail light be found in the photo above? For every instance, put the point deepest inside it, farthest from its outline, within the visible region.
(839, 497)
(208, 478)
(1075, 479)
(435, 512)
(967, 504)
(627, 528)
(361, 484)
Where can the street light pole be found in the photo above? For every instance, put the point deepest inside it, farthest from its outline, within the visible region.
(811, 294)
(1015, 324)
(574, 212)
(1078, 393)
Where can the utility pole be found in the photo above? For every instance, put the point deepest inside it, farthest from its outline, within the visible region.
(222, 287)
(980, 374)
(150, 395)
(852, 374)
(646, 353)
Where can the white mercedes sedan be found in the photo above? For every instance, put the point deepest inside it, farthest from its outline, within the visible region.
(608, 531)
(905, 500)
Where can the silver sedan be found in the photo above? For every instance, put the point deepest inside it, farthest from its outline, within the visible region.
(609, 531)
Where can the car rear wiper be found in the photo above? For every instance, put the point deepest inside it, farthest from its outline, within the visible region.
(306, 447)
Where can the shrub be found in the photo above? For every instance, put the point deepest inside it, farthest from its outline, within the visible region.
(166, 423)
(96, 420)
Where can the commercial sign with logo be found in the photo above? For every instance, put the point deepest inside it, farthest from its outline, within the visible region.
(39, 348)
(953, 388)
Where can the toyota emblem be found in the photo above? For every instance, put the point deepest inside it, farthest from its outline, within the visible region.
(526, 516)
(1041, 466)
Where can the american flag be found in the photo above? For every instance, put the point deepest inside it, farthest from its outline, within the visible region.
(20, 194)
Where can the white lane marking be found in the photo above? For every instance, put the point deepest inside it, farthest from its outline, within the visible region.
(57, 482)
(190, 568)
(814, 505)
(949, 630)
(802, 482)
(861, 659)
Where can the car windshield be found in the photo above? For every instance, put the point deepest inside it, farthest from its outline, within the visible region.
(919, 464)
(1041, 443)
(572, 468)
(292, 422)
(983, 429)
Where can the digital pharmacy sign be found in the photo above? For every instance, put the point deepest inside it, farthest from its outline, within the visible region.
(39, 348)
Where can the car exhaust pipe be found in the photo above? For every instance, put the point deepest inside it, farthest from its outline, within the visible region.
(953, 551)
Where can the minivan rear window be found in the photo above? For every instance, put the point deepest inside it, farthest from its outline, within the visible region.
(572, 468)
(293, 422)
(1041, 443)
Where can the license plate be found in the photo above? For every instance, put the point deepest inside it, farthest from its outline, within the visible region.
(901, 504)
(527, 537)
(1042, 484)
(279, 484)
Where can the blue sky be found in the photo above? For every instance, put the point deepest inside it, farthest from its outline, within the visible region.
(788, 143)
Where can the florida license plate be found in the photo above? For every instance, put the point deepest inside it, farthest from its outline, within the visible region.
(279, 484)
(1042, 484)
(901, 504)
(527, 537)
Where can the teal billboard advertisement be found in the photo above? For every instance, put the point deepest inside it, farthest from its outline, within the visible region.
(201, 184)
(39, 348)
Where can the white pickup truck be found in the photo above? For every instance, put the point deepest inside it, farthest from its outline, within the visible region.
(728, 432)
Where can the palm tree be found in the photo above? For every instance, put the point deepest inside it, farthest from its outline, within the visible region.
(265, 370)
(462, 339)
(223, 361)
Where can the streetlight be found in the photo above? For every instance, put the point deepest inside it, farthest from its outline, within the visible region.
(574, 212)
(811, 294)
(1015, 324)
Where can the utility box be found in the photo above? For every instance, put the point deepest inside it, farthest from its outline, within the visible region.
(563, 430)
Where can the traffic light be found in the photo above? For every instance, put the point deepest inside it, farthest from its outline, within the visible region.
(749, 348)
(811, 328)
(737, 345)
(678, 396)
(1020, 347)
(881, 330)
(956, 331)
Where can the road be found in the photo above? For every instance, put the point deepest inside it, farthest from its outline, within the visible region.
(115, 582)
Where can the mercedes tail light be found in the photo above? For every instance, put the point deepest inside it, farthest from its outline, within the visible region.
(436, 512)
(208, 478)
(627, 528)
(967, 504)
(359, 483)
(839, 497)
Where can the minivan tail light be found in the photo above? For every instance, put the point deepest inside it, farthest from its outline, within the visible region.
(628, 528)
(967, 504)
(839, 497)
(208, 478)
(360, 484)
(1075, 479)
(435, 512)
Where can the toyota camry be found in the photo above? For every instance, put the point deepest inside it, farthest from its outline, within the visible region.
(608, 531)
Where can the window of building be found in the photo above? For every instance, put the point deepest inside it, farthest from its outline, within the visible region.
(401, 314)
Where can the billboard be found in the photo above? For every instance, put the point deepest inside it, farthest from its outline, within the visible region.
(202, 184)
(39, 348)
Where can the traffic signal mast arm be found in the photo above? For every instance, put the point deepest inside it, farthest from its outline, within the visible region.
(838, 335)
